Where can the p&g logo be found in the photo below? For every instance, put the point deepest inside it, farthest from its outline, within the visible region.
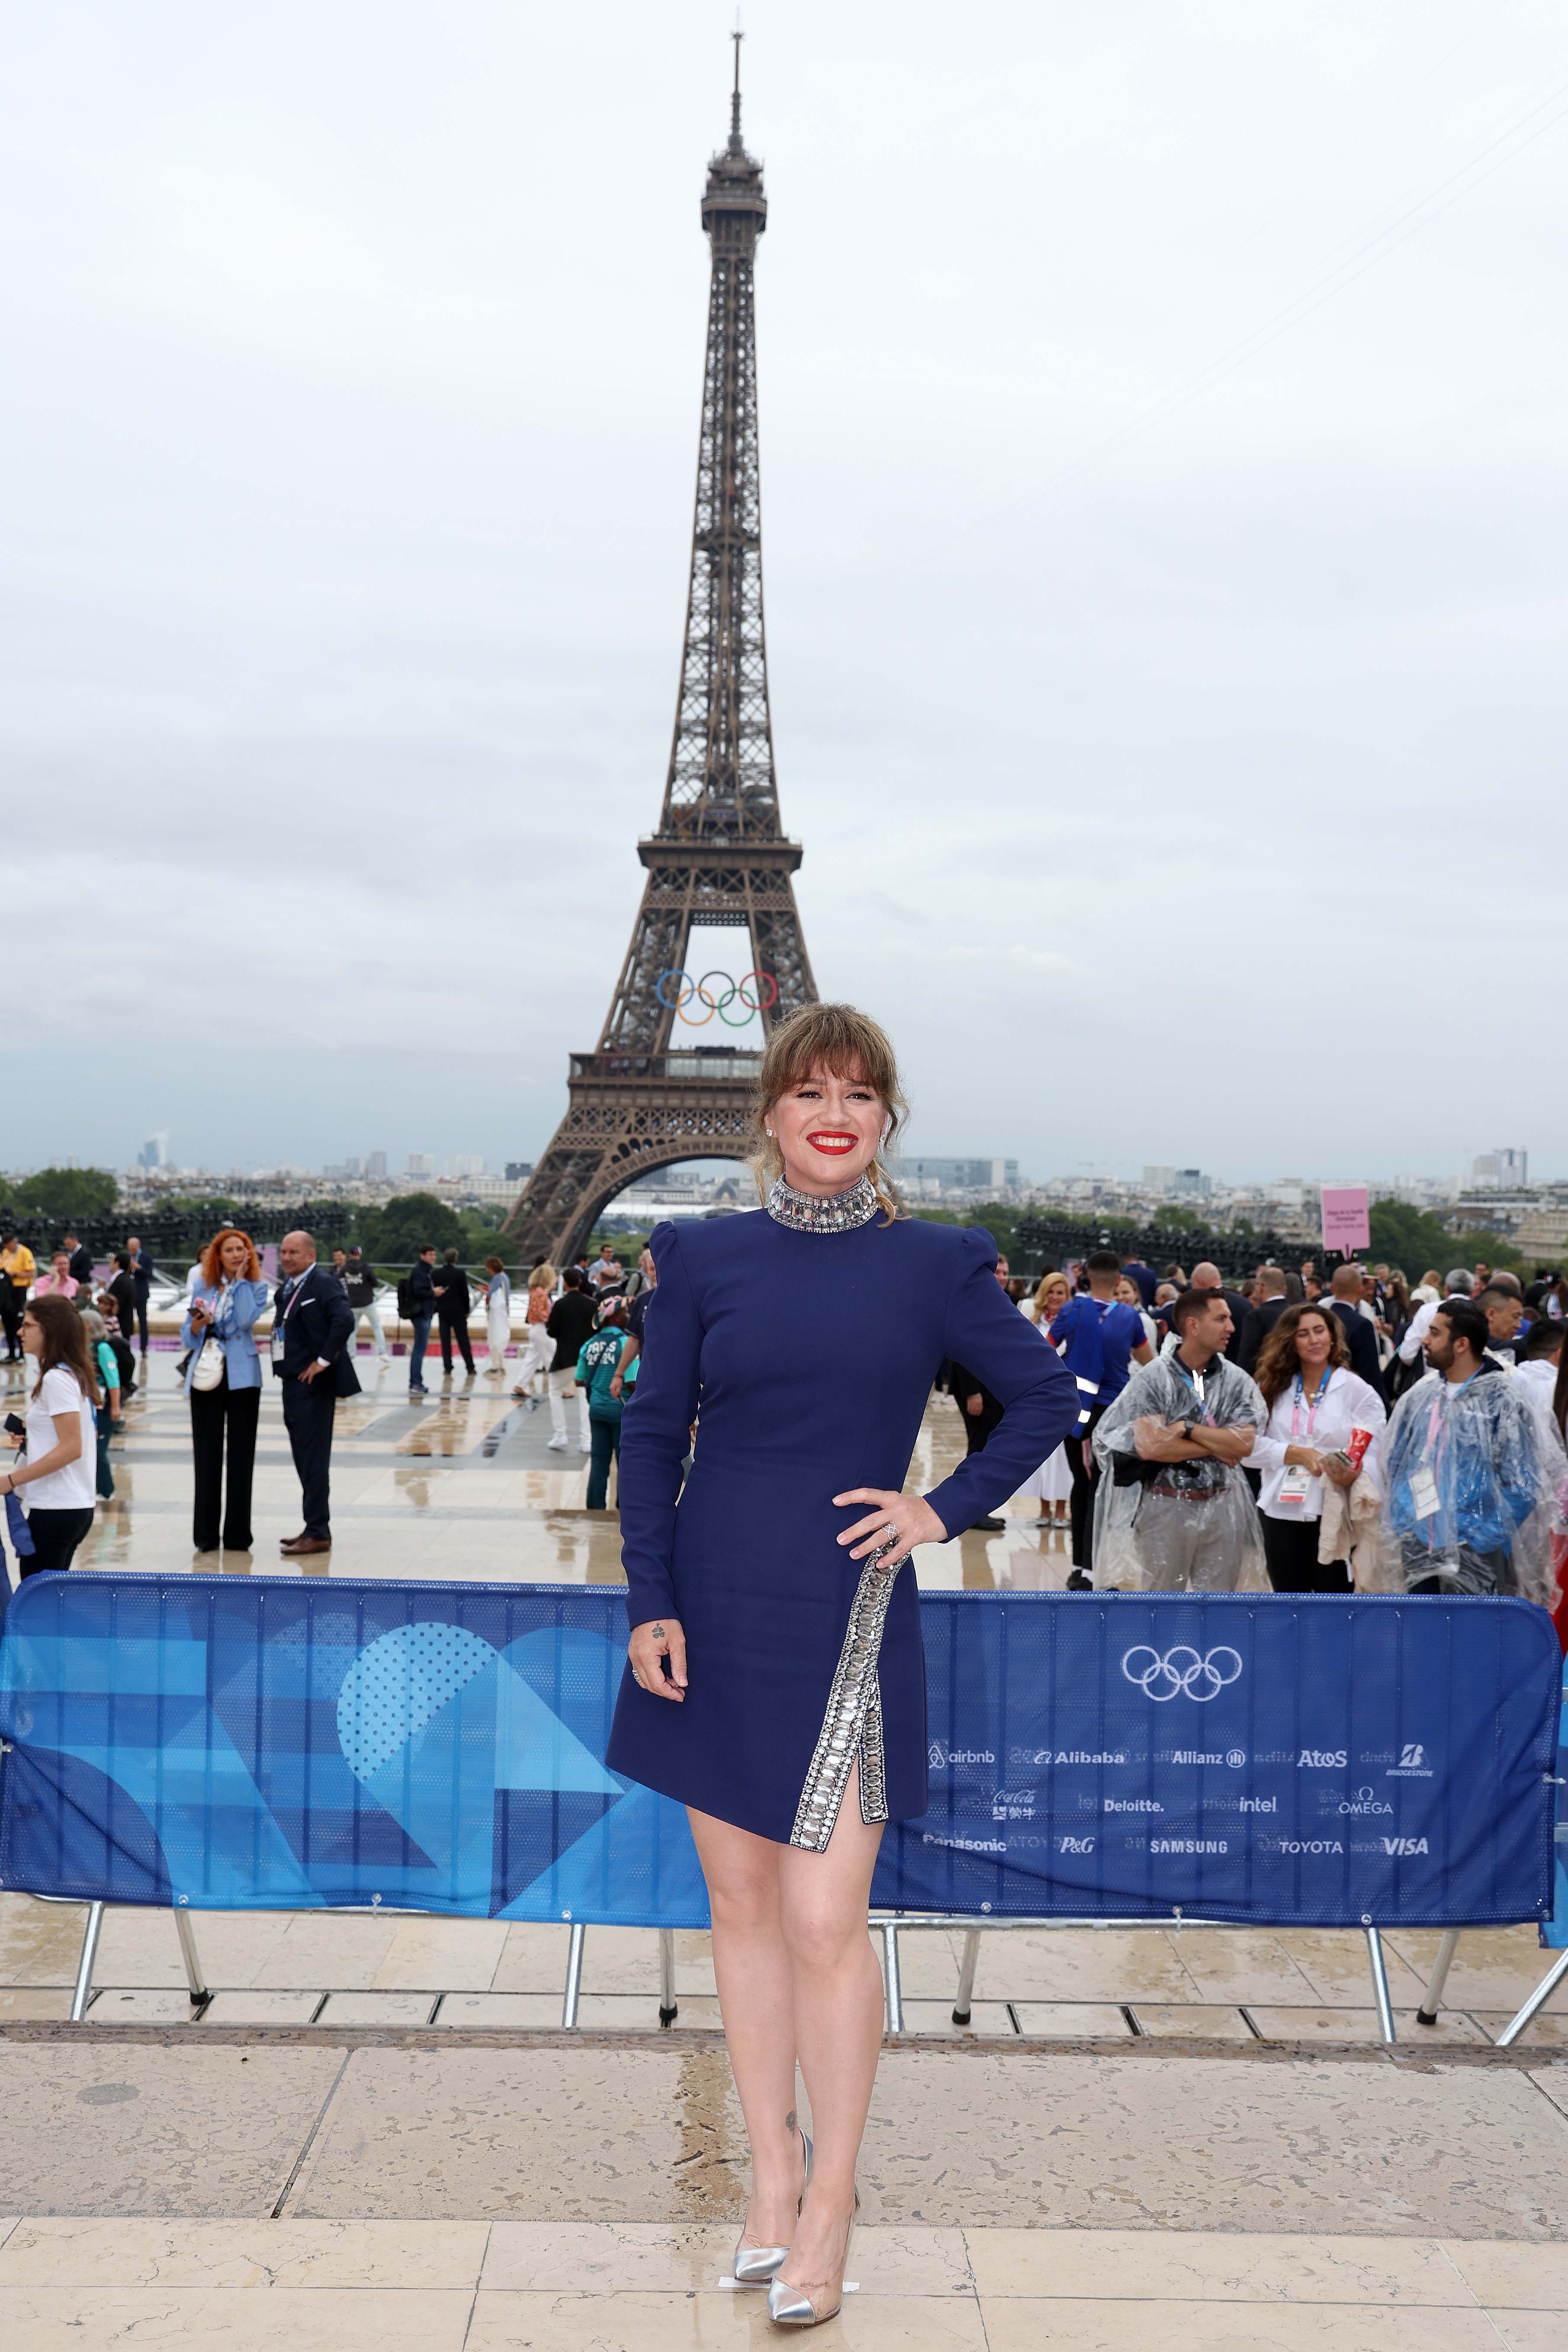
(1182, 1671)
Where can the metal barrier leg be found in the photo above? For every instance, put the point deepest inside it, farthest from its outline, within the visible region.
(965, 1993)
(895, 1989)
(200, 1996)
(91, 1933)
(1379, 1982)
(668, 2010)
(573, 1975)
(1542, 1993)
(1427, 2012)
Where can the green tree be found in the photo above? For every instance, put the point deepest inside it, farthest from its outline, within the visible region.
(1416, 1241)
(396, 1234)
(66, 1192)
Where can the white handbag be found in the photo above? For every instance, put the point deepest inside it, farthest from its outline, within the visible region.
(209, 1367)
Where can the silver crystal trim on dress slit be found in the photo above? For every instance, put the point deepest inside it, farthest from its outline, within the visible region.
(852, 1725)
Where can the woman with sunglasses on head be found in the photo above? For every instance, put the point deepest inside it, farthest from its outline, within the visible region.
(1315, 1403)
(775, 1680)
(56, 1471)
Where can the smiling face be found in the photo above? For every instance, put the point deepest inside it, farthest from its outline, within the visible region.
(1313, 1344)
(827, 1129)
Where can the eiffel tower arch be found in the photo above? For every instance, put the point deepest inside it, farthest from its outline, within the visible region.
(644, 1098)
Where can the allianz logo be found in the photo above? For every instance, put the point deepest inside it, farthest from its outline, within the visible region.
(938, 1757)
(1234, 1757)
(1364, 1802)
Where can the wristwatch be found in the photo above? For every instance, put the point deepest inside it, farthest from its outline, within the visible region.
(1187, 1428)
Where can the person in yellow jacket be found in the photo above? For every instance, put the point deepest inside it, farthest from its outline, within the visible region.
(18, 1268)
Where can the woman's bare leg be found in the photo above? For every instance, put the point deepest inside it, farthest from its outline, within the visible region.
(752, 1968)
(838, 2007)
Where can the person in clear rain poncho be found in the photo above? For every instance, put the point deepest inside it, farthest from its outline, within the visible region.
(1175, 1513)
(1472, 1472)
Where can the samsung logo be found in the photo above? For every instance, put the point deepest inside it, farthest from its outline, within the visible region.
(1188, 1846)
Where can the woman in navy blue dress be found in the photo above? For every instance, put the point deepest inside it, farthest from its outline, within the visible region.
(776, 1683)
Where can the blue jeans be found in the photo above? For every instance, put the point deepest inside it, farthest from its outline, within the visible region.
(417, 1360)
(604, 1441)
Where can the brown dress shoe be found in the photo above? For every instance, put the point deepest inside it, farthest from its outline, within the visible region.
(286, 1543)
(307, 1543)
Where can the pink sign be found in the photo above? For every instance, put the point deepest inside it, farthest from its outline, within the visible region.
(1345, 1224)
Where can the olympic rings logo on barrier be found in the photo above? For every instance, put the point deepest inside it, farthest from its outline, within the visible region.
(1164, 1677)
(760, 998)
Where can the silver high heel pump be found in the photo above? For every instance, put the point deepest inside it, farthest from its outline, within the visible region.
(757, 2265)
(789, 2308)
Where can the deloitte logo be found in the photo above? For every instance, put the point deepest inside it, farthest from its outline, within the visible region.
(1182, 1672)
(941, 1759)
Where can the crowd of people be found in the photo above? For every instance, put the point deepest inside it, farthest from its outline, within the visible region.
(583, 1337)
(1311, 1432)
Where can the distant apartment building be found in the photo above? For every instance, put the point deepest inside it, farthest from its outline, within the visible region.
(1505, 1167)
(992, 1177)
(419, 1163)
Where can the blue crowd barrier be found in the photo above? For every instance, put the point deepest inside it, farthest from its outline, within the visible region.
(273, 1743)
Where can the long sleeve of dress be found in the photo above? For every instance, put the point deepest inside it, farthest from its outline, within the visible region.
(655, 1433)
(984, 1331)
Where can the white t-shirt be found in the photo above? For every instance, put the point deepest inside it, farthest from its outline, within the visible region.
(74, 1488)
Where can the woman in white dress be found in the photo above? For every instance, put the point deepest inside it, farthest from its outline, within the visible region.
(498, 1314)
(1051, 1486)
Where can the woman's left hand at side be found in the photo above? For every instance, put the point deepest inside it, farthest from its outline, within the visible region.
(910, 1515)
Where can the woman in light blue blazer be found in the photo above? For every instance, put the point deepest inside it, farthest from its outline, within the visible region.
(225, 1303)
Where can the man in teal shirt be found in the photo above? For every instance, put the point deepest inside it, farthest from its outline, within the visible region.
(599, 1363)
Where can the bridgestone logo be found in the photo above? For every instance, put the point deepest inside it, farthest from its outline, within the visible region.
(1188, 1846)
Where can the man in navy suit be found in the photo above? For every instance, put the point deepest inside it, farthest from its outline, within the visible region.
(312, 1324)
(1360, 1330)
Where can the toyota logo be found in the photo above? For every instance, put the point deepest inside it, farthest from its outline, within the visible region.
(1181, 1670)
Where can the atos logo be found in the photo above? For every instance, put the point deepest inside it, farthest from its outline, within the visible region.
(1182, 1671)
(1320, 1759)
(1404, 1845)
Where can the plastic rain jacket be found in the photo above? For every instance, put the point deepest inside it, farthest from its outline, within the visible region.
(1203, 1534)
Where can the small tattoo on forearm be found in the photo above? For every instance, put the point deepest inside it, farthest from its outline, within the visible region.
(789, 2121)
(658, 1634)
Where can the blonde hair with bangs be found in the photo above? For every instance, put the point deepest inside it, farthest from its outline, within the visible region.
(849, 1044)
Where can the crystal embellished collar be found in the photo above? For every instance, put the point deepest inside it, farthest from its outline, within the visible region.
(834, 1213)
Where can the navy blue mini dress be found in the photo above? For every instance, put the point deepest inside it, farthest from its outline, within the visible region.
(808, 1356)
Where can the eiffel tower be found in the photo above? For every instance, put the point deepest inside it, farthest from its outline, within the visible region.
(649, 1094)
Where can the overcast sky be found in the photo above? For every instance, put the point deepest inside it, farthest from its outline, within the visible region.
(1162, 488)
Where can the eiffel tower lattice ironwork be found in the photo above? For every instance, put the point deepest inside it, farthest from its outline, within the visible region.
(646, 1098)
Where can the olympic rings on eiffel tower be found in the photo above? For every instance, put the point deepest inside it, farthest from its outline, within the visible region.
(762, 998)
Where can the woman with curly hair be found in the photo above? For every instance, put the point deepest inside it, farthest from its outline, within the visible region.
(226, 1302)
(1314, 1402)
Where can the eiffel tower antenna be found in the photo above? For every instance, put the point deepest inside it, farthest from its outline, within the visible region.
(661, 1087)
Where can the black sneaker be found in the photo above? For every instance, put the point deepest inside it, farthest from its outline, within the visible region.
(1080, 1581)
(992, 1527)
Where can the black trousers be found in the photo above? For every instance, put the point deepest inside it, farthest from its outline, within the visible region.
(12, 1306)
(455, 1325)
(140, 1319)
(1085, 1485)
(56, 1534)
(1290, 1548)
(308, 1410)
(215, 1414)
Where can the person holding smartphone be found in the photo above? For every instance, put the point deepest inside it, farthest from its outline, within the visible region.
(59, 1445)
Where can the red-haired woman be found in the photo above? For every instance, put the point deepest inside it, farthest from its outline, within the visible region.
(59, 1462)
(224, 1304)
